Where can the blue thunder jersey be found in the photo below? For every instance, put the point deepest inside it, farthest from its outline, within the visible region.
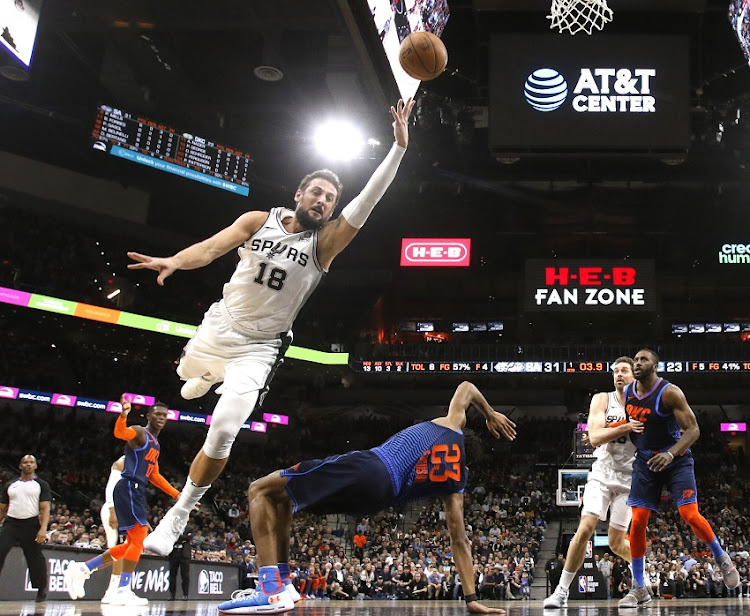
(140, 463)
(661, 429)
(424, 461)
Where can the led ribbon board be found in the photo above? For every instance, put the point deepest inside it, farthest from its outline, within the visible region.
(137, 321)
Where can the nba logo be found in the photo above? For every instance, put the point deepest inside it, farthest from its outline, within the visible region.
(589, 549)
(582, 585)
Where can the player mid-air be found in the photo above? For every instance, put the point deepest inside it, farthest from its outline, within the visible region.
(284, 254)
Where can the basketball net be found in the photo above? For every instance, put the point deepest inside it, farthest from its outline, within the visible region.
(577, 15)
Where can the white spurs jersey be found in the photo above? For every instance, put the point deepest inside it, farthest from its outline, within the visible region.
(276, 274)
(109, 491)
(620, 453)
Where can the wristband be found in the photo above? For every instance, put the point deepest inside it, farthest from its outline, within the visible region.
(470, 598)
(670, 453)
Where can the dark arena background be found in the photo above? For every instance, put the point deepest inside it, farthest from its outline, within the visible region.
(523, 246)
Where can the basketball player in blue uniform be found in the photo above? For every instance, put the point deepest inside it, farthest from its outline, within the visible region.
(423, 461)
(663, 458)
(284, 254)
(141, 468)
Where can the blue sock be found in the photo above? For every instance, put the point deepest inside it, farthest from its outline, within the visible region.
(283, 571)
(638, 571)
(125, 578)
(270, 583)
(716, 548)
(94, 563)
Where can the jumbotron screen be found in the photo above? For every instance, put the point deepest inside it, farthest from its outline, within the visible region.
(397, 19)
(161, 147)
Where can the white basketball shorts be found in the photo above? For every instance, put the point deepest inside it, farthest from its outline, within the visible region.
(608, 489)
(244, 362)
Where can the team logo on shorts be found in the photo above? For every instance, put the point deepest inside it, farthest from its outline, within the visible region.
(687, 494)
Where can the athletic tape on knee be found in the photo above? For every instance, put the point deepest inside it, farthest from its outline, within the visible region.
(230, 413)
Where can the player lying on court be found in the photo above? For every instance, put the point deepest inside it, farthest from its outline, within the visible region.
(129, 496)
(423, 461)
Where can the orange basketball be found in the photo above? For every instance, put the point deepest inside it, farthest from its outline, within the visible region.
(423, 55)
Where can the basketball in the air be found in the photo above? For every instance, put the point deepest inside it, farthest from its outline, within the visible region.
(423, 55)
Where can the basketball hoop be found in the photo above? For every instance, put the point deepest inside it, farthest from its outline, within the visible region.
(579, 15)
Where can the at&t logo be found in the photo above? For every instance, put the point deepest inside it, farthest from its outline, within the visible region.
(545, 89)
(597, 90)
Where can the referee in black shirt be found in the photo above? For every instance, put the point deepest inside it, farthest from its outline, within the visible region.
(24, 512)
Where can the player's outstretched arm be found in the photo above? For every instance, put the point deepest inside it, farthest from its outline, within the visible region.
(202, 253)
(461, 549)
(599, 432)
(134, 435)
(337, 234)
(466, 395)
(673, 398)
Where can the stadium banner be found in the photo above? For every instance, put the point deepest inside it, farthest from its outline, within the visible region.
(208, 580)
(580, 285)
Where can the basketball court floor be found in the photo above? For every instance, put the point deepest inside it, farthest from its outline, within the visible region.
(682, 607)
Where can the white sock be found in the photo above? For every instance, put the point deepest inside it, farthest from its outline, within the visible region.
(191, 494)
(565, 579)
(114, 582)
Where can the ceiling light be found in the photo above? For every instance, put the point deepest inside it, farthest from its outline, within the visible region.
(114, 294)
(339, 140)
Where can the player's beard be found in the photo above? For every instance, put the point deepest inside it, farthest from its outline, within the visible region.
(307, 221)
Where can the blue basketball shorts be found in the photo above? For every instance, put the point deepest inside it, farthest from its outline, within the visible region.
(355, 482)
(678, 477)
(130, 504)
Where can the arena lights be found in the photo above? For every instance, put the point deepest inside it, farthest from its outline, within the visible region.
(112, 406)
(339, 140)
(137, 321)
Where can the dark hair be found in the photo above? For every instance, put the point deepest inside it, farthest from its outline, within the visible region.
(654, 354)
(624, 359)
(157, 404)
(325, 174)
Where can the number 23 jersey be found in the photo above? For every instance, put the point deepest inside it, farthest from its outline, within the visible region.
(276, 274)
(425, 460)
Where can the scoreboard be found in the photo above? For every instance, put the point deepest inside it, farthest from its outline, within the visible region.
(161, 147)
(538, 367)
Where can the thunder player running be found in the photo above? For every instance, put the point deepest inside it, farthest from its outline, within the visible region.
(109, 522)
(243, 337)
(663, 458)
(129, 496)
(608, 483)
(423, 461)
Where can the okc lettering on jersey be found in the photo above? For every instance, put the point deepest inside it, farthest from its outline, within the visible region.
(639, 413)
(279, 249)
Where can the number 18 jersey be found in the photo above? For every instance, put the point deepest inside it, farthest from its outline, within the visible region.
(276, 274)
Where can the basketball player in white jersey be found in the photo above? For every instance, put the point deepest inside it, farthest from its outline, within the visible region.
(109, 522)
(608, 483)
(283, 256)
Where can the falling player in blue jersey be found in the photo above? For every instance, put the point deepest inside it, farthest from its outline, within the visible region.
(141, 468)
(663, 458)
(423, 461)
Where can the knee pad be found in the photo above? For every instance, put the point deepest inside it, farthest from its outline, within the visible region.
(230, 413)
